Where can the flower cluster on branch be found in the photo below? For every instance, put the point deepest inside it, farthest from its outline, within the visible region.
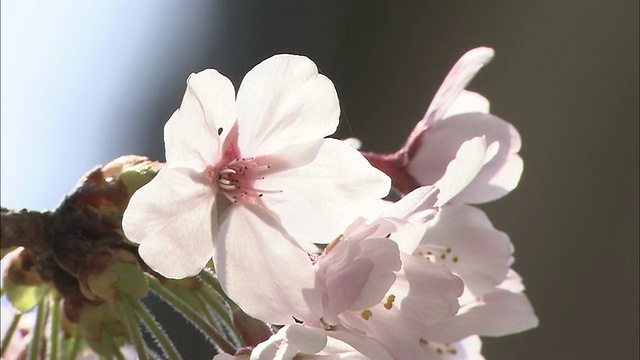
(277, 241)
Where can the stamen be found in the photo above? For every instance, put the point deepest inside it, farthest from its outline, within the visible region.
(438, 253)
(237, 177)
(389, 304)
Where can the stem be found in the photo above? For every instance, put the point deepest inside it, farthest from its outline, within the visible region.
(9, 334)
(165, 343)
(55, 328)
(212, 281)
(75, 348)
(30, 229)
(132, 323)
(212, 298)
(38, 329)
(191, 315)
(118, 354)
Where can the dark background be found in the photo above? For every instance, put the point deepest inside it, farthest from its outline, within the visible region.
(565, 74)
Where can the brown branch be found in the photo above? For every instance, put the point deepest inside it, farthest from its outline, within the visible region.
(30, 229)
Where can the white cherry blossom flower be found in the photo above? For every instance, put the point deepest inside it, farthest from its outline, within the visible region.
(454, 117)
(252, 181)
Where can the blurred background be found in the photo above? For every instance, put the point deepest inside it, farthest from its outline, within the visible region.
(85, 82)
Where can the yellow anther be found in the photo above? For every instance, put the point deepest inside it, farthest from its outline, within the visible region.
(366, 314)
(455, 259)
(448, 250)
(389, 304)
(443, 256)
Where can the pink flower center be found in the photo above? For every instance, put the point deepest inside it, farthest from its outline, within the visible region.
(236, 180)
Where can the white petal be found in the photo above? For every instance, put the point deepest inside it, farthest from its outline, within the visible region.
(468, 102)
(323, 192)
(418, 206)
(460, 75)
(191, 135)
(290, 341)
(479, 253)
(467, 349)
(500, 313)
(356, 274)
(462, 169)
(262, 270)
(425, 291)
(173, 218)
(496, 178)
(284, 100)
(365, 347)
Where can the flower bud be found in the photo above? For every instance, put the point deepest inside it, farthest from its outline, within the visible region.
(22, 281)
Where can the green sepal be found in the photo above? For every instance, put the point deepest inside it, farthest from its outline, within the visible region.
(25, 297)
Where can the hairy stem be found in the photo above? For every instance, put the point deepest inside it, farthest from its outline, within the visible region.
(191, 315)
(150, 322)
(132, 323)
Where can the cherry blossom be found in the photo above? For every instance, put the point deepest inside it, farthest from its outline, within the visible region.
(462, 238)
(455, 116)
(253, 182)
(369, 286)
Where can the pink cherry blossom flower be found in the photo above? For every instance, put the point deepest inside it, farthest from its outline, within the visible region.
(302, 342)
(370, 287)
(252, 181)
(454, 117)
(462, 238)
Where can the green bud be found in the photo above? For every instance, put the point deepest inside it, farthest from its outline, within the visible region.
(22, 282)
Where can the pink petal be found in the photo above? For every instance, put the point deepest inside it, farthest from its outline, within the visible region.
(460, 75)
(468, 348)
(468, 102)
(479, 253)
(461, 170)
(261, 268)
(496, 178)
(426, 292)
(500, 313)
(191, 135)
(284, 100)
(173, 218)
(417, 207)
(356, 274)
(366, 347)
(289, 342)
(323, 191)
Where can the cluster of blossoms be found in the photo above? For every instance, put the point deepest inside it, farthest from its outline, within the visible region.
(298, 232)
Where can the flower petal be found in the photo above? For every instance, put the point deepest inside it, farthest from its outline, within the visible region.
(173, 218)
(468, 102)
(461, 170)
(460, 75)
(501, 313)
(191, 135)
(497, 177)
(479, 253)
(284, 100)
(290, 341)
(261, 268)
(325, 192)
